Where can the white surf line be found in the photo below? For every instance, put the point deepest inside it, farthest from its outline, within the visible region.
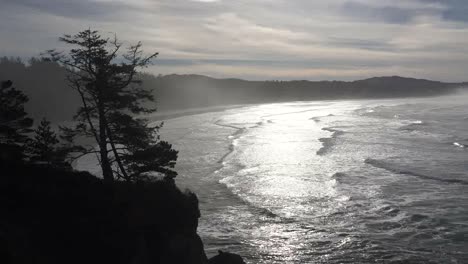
(239, 130)
(290, 113)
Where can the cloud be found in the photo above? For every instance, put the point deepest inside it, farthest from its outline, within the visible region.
(262, 38)
(455, 10)
(83, 9)
(386, 14)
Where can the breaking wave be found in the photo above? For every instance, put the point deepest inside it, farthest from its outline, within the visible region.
(328, 143)
(394, 169)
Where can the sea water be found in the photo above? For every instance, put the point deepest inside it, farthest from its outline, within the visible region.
(381, 181)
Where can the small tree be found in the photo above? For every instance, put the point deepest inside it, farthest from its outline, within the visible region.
(43, 148)
(14, 122)
(111, 96)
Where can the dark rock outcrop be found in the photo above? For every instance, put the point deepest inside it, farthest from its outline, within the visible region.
(51, 215)
(226, 258)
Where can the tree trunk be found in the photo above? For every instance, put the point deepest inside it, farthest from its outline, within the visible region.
(116, 155)
(105, 163)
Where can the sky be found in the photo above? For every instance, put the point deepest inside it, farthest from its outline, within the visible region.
(260, 39)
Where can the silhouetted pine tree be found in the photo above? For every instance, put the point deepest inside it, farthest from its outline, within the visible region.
(111, 96)
(44, 148)
(14, 122)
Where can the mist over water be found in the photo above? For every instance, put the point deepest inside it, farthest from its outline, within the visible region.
(331, 181)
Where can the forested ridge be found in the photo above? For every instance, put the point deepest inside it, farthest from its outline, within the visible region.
(45, 82)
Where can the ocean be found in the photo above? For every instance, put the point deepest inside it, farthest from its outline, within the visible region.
(381, 181)
(365, 181)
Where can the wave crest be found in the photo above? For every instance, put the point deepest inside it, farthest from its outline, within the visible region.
(394, 169)
(328, 143)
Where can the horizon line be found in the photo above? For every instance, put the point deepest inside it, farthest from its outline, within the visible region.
(301, 80)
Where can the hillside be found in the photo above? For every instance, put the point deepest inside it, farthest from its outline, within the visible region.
(45, 84)
(183, 91)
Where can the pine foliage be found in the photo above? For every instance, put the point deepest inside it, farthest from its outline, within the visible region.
(112, 97)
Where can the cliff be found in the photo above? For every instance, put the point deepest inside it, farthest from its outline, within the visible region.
(53, 215)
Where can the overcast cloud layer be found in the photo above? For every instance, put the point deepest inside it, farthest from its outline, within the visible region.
(261, 39)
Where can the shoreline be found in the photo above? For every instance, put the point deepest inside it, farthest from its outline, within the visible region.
(168, 115)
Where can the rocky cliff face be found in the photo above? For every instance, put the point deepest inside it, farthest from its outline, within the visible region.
(57, 216)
